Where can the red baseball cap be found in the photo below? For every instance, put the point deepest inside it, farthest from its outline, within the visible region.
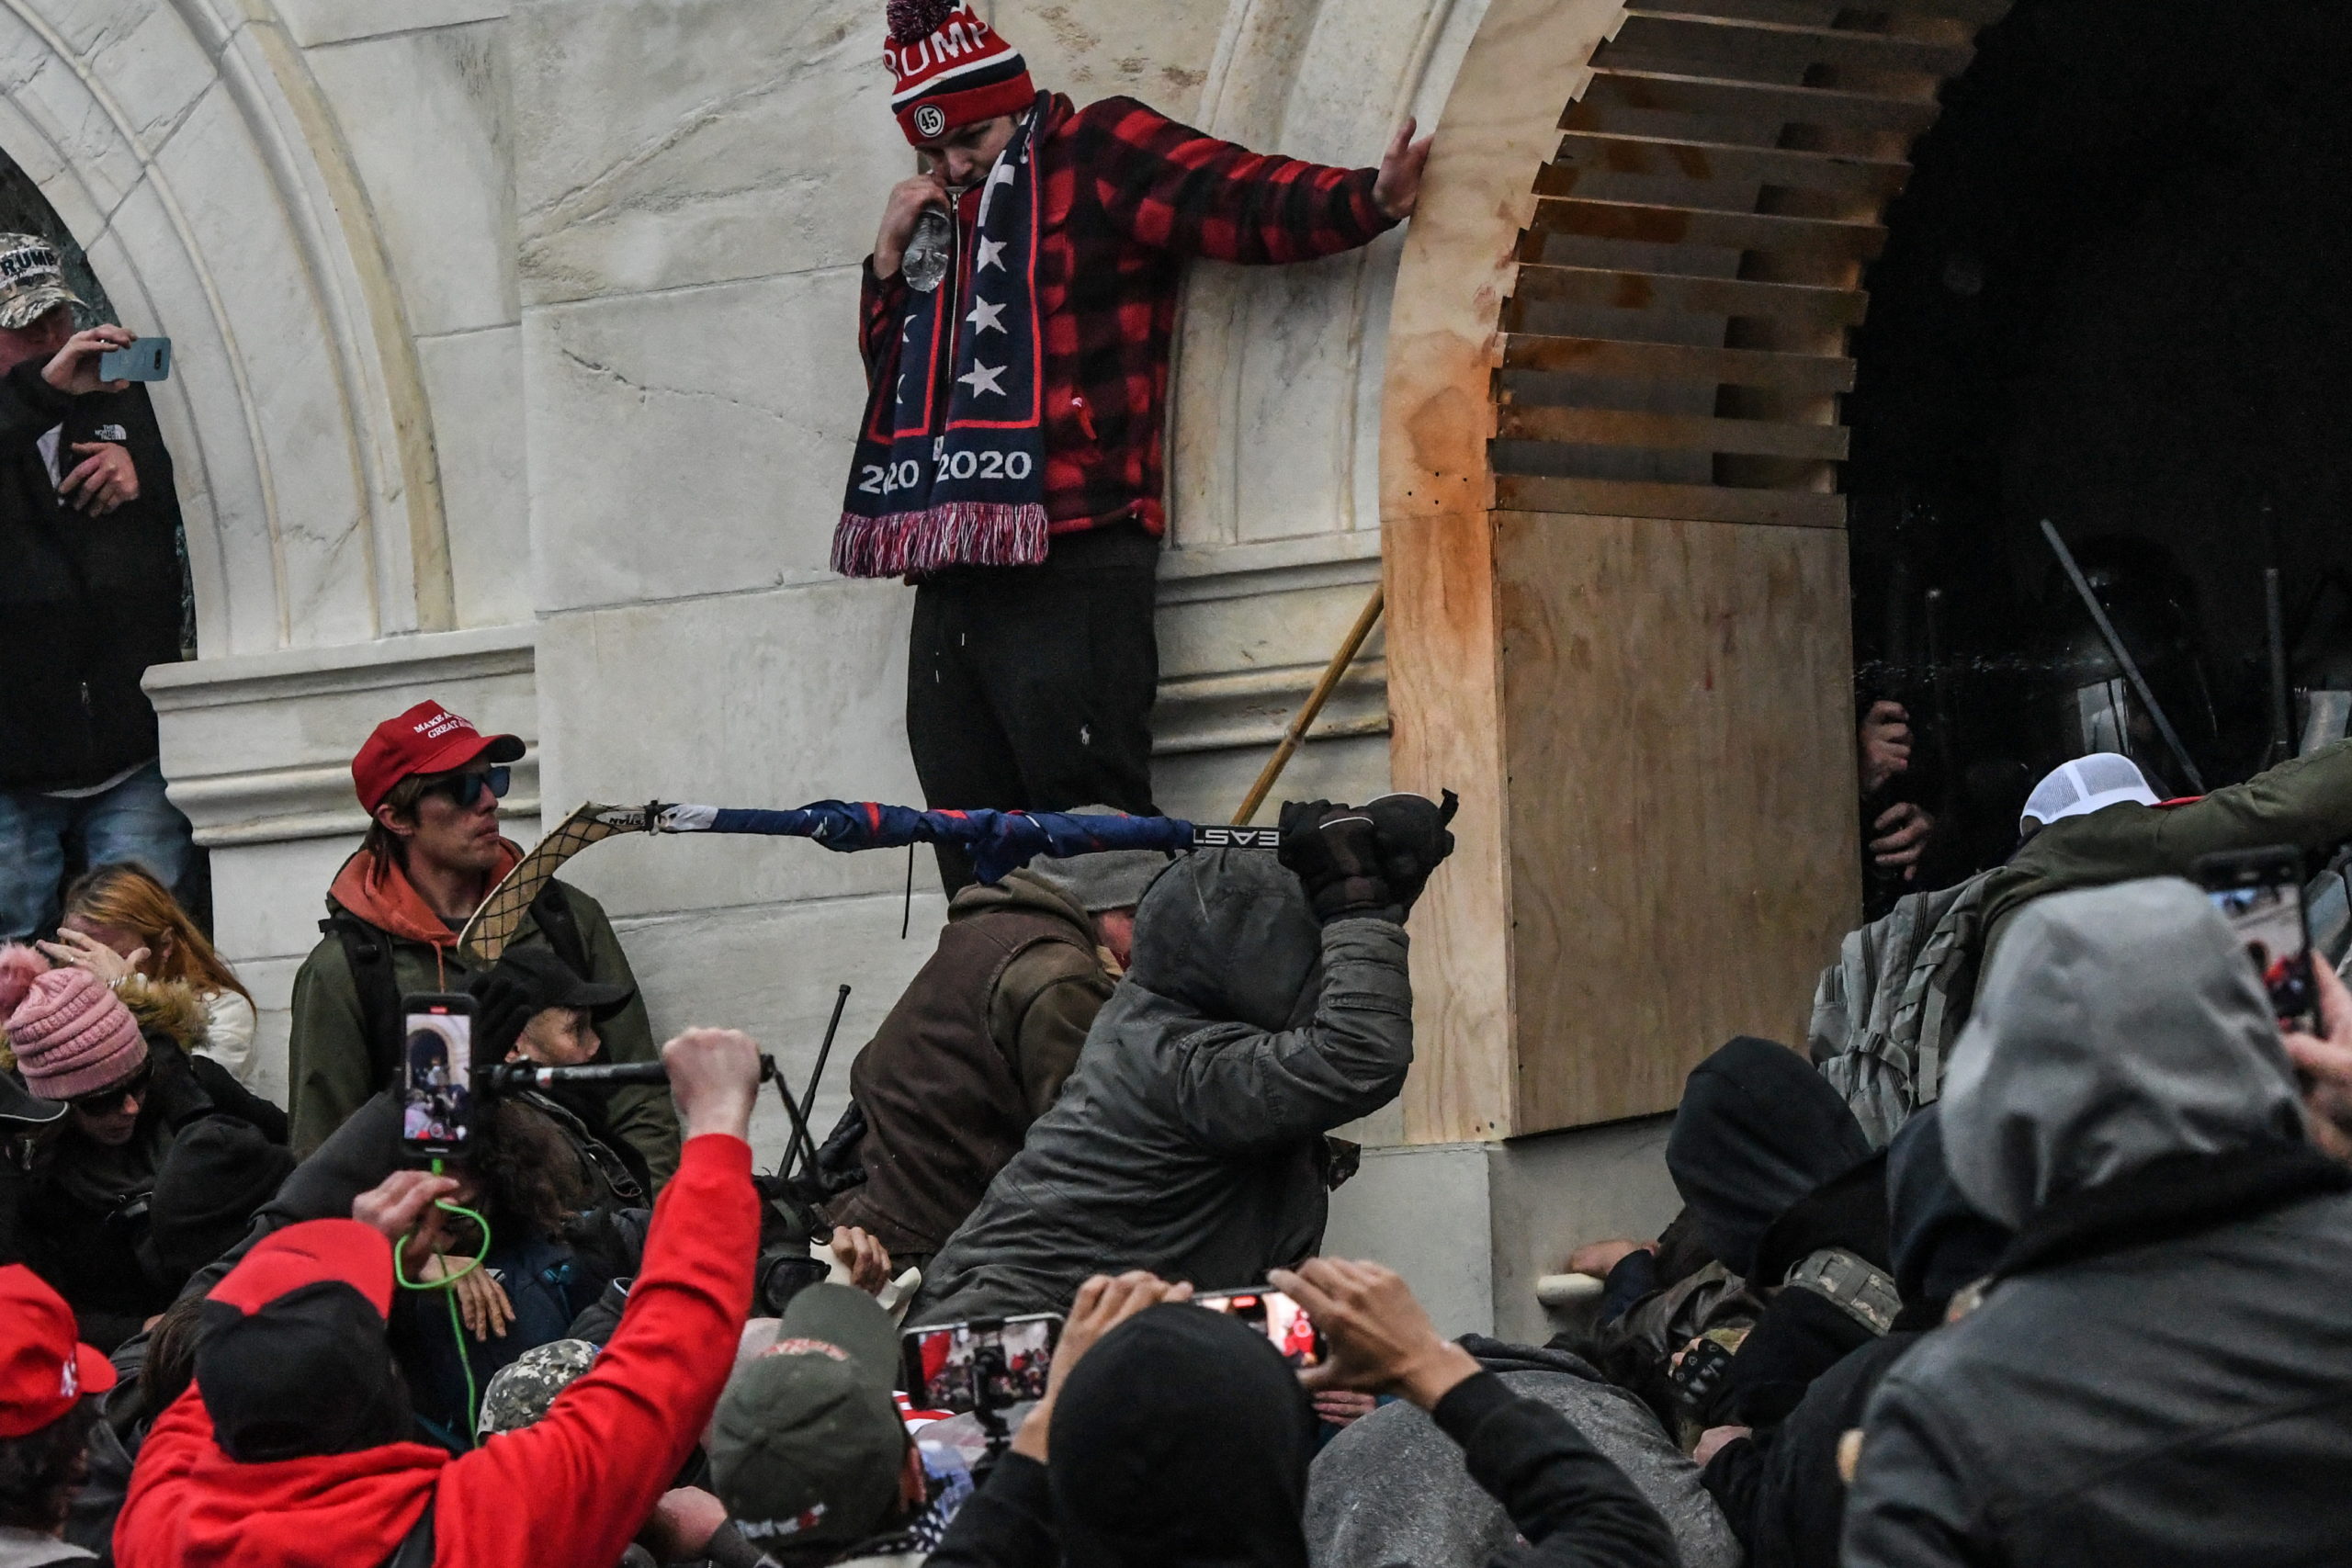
(44, 1367)
(343, 1252)
(428, 738)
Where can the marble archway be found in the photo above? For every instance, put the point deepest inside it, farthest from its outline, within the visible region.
(187, 150)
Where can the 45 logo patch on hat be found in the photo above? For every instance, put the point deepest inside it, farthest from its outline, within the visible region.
(950, 69)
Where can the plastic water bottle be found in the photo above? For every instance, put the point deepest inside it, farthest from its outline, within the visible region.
(931, 251)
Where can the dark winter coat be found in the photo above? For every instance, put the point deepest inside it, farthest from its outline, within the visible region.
(84, 1216)
(1781, 1488)
(2161, 1374)
(86, 603)
(572, 1488)
(976, 1049)
(1393, 1492)
(1758, 1130)
(1189, 1140)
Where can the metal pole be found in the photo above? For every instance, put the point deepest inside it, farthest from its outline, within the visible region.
(824, 1054)
(1306, 716)
(2123, 656)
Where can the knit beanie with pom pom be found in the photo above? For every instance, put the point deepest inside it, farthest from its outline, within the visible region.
(949, 69)
(70, 1033)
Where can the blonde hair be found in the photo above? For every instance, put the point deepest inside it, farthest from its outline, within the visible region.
(126, 897)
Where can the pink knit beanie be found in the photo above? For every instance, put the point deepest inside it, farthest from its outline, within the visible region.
(72, 1035)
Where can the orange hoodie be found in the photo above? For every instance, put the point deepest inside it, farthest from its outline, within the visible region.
(380, 893)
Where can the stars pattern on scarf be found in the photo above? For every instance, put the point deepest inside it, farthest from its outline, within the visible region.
(983, 378)
(991, 255)
(984, 317)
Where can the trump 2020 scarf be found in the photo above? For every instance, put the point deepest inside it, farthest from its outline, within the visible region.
(950, 464)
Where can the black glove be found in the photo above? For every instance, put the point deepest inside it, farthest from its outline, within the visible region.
(501, 1008)
(1335, 851)
(1411, 830)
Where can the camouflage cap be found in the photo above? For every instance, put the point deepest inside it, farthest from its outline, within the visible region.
(807, 1445)
(520, 1392)
(32, 281)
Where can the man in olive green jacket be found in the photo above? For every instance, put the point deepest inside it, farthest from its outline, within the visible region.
(431, 782)
(1888, 1012)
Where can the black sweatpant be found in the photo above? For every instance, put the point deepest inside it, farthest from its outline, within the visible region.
(1031, 687)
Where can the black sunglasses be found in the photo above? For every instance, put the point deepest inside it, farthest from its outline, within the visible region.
(105, 1101)
(464, 789)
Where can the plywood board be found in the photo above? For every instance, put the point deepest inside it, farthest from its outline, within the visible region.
(1446, 733)
(1679, 760)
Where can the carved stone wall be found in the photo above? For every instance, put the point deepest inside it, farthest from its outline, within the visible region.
(516, 366)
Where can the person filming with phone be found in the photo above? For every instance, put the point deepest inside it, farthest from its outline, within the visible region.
(1172, 1436)
(89, 599)
(296, 1444)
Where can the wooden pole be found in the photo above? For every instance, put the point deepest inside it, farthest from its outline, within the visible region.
(1312, 709)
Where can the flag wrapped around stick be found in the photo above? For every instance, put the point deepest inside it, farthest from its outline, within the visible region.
(998, 842)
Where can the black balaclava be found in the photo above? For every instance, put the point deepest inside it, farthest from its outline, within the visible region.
(1940, 1242)
(1183, 1441)
(1757, 1130)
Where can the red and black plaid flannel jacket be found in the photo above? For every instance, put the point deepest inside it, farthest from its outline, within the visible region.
(1128, 194)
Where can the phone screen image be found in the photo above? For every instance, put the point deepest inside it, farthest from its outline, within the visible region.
(949, 1368)
(2268, 918)
(1282, 1320)
(436, 1100)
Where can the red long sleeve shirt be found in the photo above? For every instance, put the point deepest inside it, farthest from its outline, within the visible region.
(1126, 195)
(569, 1492)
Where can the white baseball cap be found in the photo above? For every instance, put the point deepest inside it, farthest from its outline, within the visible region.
(2084, 785)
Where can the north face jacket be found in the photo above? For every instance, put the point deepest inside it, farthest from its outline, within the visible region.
(86, 603)
(1189, 1140)
(2161, 1372)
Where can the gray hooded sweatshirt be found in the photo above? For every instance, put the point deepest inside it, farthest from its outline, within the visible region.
(1189, 1139)
(2170, 1381)
(1393, 1492)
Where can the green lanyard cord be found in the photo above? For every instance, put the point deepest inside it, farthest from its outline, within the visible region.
(457, 1323)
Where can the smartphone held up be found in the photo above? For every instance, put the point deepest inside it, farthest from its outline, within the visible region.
(2260, 894)
(146, 359)
(436, 1064)
(1284, 1322)
(987, 1364)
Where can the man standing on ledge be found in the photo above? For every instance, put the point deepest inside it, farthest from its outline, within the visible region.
(1009, 457)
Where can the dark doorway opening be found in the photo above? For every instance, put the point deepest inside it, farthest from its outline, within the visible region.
(2114, 294)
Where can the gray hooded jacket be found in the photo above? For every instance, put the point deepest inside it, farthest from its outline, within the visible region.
(1188, 1140)
(1393, 1492)
(2169, 1387)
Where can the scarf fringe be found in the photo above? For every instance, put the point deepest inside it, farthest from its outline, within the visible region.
(959, 533)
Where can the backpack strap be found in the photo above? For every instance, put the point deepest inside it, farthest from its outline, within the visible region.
(1852, 1284)
(551, 910)
(415, 1550)
(369, 953)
